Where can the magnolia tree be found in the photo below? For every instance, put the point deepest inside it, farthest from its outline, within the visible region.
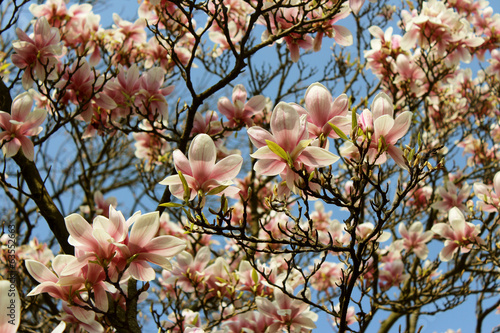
(244, 166)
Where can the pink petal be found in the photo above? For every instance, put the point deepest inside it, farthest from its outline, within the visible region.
(202, 155)
(400, 127)
(27, 148)
(496, 183)
(285, 126)
(144, 229)
(226, 107)
(239, 94)
(447, 252)
(61, 261)
(101, 297)
(317, 157)
(21, 106)
(227, 168)
(258, 136)
(269, 167)
(355, 5)
(318, 102)
(5, 120)
(182, 163)
(33, 121)
(397, 155)
(343, 36)
(265, 153)
(142, 271)
(40, 272)
(12, 147)
(167, 246)
(80, 233)
(256, 103)
(383, 125)
(382, 105)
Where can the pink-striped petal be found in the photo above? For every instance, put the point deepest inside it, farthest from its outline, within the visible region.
(382, 105)
(269, 167)
(143, 230)
(227, 168)
(40, 272)
(202, 156)
(167, 246)
(317, 157)
(258, 136)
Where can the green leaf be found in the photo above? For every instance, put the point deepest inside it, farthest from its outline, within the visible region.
(255, 276)
(187, 191)
(354, 119)
(171, 204)
(419, 139)
(339, 132)
(275, 148)
(217, 190)
(411, 155)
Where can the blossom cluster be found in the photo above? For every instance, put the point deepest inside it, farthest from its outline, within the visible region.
(108, 254)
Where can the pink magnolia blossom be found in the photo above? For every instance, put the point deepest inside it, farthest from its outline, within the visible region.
(458, 234)
(253, 321)
(189, 273)
(151, 97)
(381, 132)
(143, 247)
(391, 274)
(200, 170)
(450, 198)
(285, 18)
(10, 303)
(72, 319)
(107, 241)
(287, 147)
(340, 34)
(207, 123)
(450, 36)
(20, 124)
(322, 111)
(329, 275)
(240, 111)
(50, 280)
(290, 314)
(37, 55)
(101, 205)
(150, 144)
(415, 239)
(489, 195)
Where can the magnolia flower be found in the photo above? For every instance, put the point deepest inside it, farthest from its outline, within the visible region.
(38, 53)
(20, 124)
(200, 170)
(458, 234)
(287, 147)
(322, 111)
(381, 132)
(240, 111)
(287, 313)
(450, 198)
(392, 274)
(414, 239)
(489, 195)
(108, 241)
